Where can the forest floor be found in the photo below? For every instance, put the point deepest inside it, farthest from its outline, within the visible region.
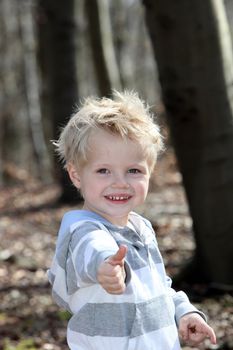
(28, 226)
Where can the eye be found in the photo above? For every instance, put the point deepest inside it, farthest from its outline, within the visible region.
(134, 171)
(103, 171)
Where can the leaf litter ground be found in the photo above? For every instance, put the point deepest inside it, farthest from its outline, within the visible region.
(28, 226)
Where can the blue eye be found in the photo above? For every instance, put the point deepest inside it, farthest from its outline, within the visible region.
(134, 171)
(103, 171)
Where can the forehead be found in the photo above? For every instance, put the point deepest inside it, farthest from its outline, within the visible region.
(105, 144)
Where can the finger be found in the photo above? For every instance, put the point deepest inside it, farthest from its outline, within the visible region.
(208, 332)
(115, 289)
(183, 330)
(112, 277)
(197, 337)
(110, 270)
(115, 286)
(118, 258)
(183, 334)
(212, 336)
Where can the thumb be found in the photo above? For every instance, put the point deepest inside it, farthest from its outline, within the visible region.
(118, 258)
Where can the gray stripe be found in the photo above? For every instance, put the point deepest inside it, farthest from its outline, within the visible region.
(104, 320)
(71, 278)
(155, 254)
(61, 302)
(79, 261)
(96, 258)
(82, 230)
(125, 319)
(137, 252)
(137, 255)
(51, 276)
(71, 240)
(62, 249)
(152, 315)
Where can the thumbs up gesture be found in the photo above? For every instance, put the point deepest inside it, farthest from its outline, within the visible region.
(111, 273)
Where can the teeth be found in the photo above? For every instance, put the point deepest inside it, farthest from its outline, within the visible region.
(118, 198)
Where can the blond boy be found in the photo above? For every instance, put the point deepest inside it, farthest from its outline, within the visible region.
(107, 270)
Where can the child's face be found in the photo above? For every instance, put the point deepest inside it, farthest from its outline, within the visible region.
(115, 178)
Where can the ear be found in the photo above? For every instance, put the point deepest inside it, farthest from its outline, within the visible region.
(74, 175)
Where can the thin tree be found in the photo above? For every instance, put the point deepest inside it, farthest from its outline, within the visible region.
(32, 88)
(193, 56)
(102, 46)
(58, 55)
(15, 141)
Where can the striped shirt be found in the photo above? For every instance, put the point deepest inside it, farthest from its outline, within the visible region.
(145, 316)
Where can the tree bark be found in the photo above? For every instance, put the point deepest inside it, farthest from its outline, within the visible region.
(31, 81)
(197, 91)
(16, 143)
(106, 69)
(57, 45)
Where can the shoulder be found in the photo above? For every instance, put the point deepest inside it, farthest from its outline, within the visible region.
(77, 220)
(140, 220)
(80, 218)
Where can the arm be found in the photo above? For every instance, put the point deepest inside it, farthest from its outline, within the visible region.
(181, 303)
(89, 248)
(96, 259)
(191, 322)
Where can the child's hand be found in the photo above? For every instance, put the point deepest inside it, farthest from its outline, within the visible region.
(111, 273)
(194, 329)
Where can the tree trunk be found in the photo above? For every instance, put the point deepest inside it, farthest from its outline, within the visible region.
(229, 12)
(57, 45)
(32, 89)
(108, 44)
(16, 143)
(197, 92)
(106, 68)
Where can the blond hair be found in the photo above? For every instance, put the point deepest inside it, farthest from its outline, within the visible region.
(125, 115)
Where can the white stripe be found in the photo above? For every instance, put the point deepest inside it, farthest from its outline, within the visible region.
(92, 242)
(78, 341)
(107, 241)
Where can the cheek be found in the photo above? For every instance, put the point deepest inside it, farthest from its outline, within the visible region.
(142, 187)
(91, 187)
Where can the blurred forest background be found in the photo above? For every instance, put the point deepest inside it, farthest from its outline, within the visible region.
(178, 56)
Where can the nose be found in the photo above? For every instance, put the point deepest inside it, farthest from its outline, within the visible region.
(119, 181)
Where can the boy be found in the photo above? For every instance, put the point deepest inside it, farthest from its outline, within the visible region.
(107, 270)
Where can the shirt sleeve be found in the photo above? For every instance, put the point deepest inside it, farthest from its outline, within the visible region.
(182, 303)
(89, 247)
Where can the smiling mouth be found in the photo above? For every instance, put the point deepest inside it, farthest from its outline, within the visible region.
(118, 198)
